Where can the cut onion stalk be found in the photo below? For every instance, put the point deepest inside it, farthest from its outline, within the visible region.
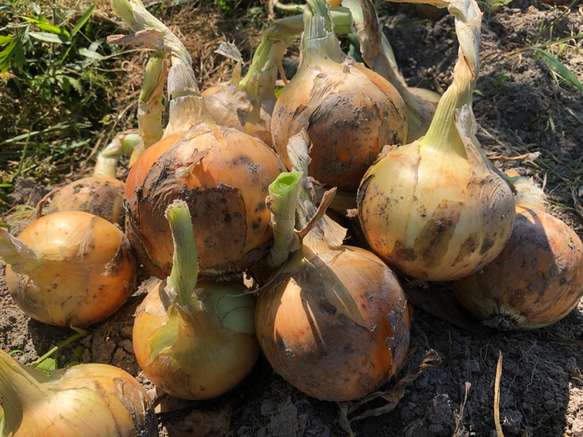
(334, 322)
(69, 268)
(194, 340)
(537, 279)
(89, 400)
(349, 111)
(222, 173)
(436, 209)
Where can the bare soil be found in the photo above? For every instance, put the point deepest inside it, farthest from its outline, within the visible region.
(522, 107)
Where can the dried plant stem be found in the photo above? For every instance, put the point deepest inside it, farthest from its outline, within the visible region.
(499, 432)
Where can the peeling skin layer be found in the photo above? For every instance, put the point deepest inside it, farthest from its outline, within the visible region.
(433, 215)
(349, 119)
(224, 181)
(549, 256)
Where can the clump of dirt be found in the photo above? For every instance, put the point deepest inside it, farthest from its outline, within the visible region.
(522, 107)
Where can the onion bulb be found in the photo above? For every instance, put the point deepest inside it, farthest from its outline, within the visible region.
(334, 322)
(536, 280)
(102, 193)
(221, 172)
(378, 55)
(349, 111)
(69, 268)
(436, 209)
(89, 400)
(194, 340)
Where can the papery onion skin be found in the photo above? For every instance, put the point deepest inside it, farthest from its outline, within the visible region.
(432, 215)
(89, 273)
(89, 400)
(102, 196)
(229, 106)
(350, 114)
(337, 326)
(534, 282)
(224, 181)
(207, 358)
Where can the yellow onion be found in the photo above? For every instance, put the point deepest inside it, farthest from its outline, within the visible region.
(102, 193)
(378, 55)
(89, 400)
(102, 196)
(436, 209)
(222, 173)
(69, 268)
(536, 280)
(334, 322)
(349, 111)
(194, 340)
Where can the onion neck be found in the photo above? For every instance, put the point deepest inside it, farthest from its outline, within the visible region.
(122, 144)
(319, 40)
(150, 105)
(181, 283)
(22, 258)
(20, 388)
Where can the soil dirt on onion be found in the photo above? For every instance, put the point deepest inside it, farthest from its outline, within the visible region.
(521, 108)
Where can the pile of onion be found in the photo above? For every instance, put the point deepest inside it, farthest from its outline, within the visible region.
(222, 173)
(436, 209)
(194, 339)
(537, 279)
(349, 111)
(89, 400)
(69, 268)
(334, 322)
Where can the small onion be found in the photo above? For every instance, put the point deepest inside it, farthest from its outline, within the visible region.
(69, 268)
(89, 400)
(535, 281)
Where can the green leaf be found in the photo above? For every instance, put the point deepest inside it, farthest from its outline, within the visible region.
(83, 20)
(6, 39)
(90, 54)
(46, 36)
(563, 71)
(54, 29)
(46, 364)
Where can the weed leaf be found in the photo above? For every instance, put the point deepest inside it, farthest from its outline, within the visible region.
(46, 36)
(90, 54)
(83, 20)
(563, 71)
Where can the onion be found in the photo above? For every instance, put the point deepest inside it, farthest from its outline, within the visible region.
(335, 321)
(536, 280)
(69, 268)
(89, 400)
(194, 340)
(378, 55)
(436, 209)
(349, 111)
(102, 193)
(221, 172)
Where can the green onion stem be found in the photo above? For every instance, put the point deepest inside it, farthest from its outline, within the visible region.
(181, 283)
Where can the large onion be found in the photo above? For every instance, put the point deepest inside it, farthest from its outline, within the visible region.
(69, 268)
(89, 400)
(349, 111)
(194, 339)
(221, 172)
(436, 209)
(334, 322)
(535, 281)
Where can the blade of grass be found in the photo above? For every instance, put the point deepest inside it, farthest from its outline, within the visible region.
(563, 71)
